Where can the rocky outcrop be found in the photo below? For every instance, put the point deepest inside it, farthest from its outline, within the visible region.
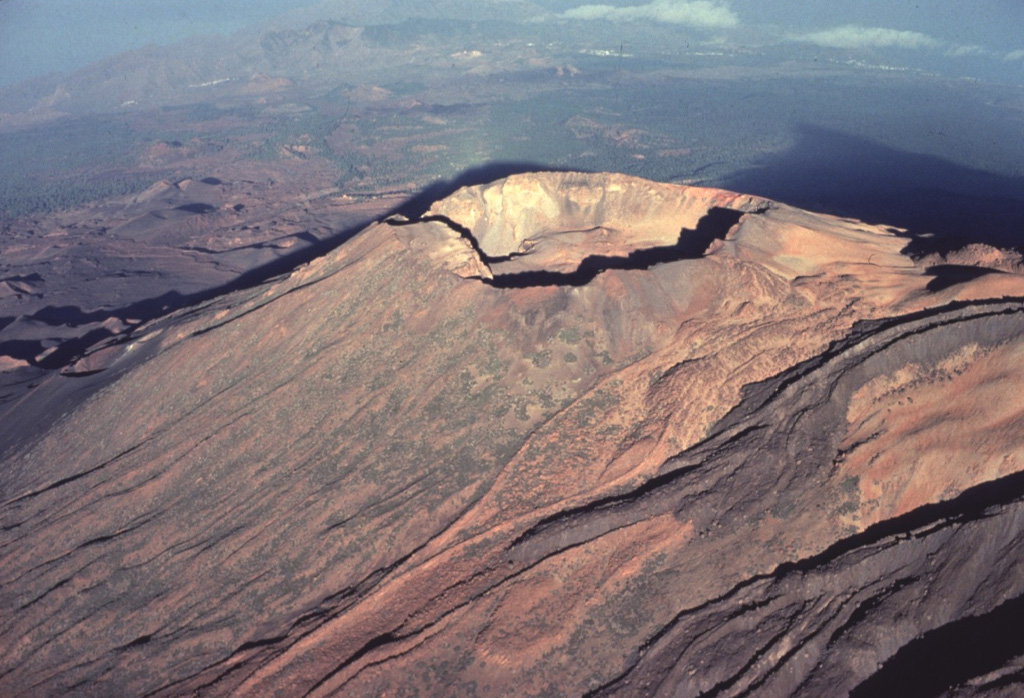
(750, 451)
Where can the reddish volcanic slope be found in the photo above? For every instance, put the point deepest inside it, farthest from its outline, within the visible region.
(566, 434)
(73, 278)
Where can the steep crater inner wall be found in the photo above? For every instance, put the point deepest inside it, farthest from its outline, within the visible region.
(691, 244)
(503, 215)
(563, 229)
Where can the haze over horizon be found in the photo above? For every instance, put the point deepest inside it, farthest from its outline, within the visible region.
(980, 39)
(583, 348)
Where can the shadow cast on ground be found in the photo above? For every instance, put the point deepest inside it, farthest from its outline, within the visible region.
(942, 205)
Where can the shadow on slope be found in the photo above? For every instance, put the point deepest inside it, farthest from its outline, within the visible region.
(971, 648)
(941, 204)
(947, 275)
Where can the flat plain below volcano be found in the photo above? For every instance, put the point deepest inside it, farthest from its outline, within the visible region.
(563, 434)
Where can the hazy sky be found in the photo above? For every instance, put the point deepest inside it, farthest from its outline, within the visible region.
(39, 36)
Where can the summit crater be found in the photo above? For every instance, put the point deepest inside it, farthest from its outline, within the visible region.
(767, 465)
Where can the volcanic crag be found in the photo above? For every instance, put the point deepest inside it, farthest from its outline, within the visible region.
(561, 435)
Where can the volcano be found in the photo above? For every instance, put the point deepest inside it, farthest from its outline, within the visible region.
(562, 434)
